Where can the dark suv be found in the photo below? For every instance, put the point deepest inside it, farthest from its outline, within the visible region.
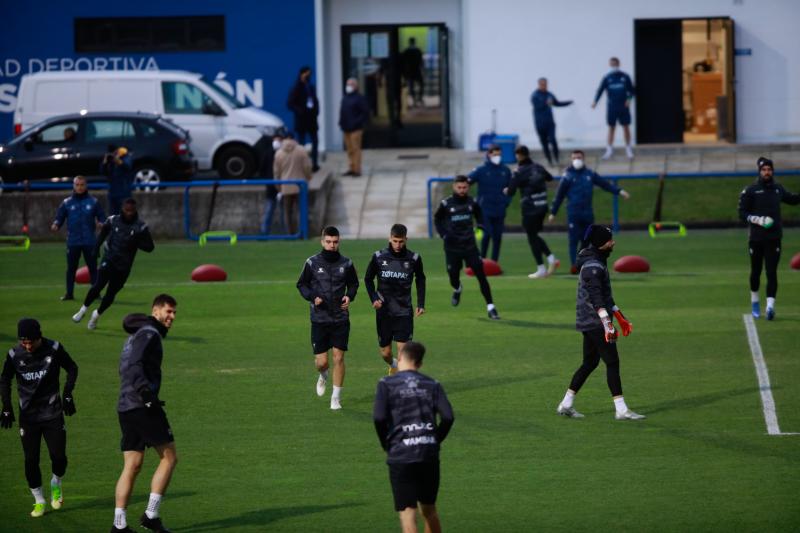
(69, 145)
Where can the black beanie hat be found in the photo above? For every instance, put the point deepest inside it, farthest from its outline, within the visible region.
(598, 235)
(29, 329)
(763, 161)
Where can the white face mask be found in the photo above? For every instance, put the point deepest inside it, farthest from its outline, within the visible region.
(276, 144)
(349, 89)
(495, 159)
(577, 164)
(614, 69)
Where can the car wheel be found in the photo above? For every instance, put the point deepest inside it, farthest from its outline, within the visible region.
(236, 163)
(149, 176)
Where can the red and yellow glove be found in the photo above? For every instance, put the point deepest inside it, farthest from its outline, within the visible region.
(608, 326)
(624, 325)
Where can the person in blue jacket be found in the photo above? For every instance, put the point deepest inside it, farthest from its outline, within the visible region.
(543, 102)
(118, 168)
(577, 186)
(619, 93)
(83, 215)
(493, 177)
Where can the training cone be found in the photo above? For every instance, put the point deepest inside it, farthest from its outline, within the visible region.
(490, 268)
(209, 273)
(795, 263)
(631, 263)
(82, 275)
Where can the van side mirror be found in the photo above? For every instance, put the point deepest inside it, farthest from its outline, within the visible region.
(210, 107)
(28, 144)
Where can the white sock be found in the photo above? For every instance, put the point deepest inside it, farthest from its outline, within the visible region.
(38, 495)
(770, 303)
(153, 505)
(551, 259)
(337, 393)
(324, 374)
(83, 309)
(569, 398)
(753, 297)
(489, 307)
(540, 269)
(459, 288)
(55, 480)
(95, 314)
(120, 518)
(619, 403)
(609, 148)
(394, 362)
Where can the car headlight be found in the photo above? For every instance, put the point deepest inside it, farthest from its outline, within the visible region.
(266, 131)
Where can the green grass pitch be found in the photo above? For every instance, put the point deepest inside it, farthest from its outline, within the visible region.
(260, 452)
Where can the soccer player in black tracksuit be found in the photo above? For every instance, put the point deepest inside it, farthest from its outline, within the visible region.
(760, 205)
(141, 415)
(396, 268)
(405, 414)
(531, 180)
(124, 234)
(329, 283)
(594, 306)
(453, 221)
(36, 363)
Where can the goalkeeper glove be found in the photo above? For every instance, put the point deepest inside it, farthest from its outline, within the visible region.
(7, 417)
(68, 404)
(608, 326)
(764, 221)
(624, 325)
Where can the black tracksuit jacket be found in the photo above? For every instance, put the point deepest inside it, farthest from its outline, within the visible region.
(330, 276)
(453, 220)
(763, 198)
(395, 272)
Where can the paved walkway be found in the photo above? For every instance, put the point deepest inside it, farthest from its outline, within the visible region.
(393, 187)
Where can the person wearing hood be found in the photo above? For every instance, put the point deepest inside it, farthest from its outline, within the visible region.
(123, 235)
(531, 180)
(577, 186)
(595, 311)
(141, 414)
(303, 102)
(619, 92)
(329, 284)
(36, 362)
(760, 207)
(291, 163)
(83, 215)
(353, 117)
(396, 268)
(543, 102)
(118, 168)
(492, 178)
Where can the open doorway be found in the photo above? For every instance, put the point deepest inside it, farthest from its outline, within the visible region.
(403, 73)
(685, 81)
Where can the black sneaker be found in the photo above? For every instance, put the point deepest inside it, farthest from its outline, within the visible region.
(153, 524)
(456, 298)
(493, 314)
(125, 530)
(67, 297)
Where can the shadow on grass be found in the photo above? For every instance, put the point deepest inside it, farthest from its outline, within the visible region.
(138, 501)
(698, 401)
(529, 324)
(263, 517)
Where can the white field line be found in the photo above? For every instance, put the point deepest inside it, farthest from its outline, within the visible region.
(767, 401)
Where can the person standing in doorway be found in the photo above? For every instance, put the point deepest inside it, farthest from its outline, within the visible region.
(619, 92)
(412, 64)
(492, 178)
(353, 117)
(543, 102)
(304, 104)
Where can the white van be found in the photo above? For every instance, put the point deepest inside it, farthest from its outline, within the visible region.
(225, 134)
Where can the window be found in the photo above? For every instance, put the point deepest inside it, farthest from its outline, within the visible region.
(59, 133)
(150, 34)
(182, 98)
(109, 130)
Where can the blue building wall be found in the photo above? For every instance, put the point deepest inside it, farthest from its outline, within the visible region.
(266, 44)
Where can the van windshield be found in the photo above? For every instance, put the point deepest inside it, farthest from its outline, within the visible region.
(230, 100)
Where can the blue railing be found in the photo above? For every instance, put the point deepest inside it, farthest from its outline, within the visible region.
(615, 179)
(187, 186)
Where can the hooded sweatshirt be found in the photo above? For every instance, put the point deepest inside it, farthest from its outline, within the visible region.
(140, 361)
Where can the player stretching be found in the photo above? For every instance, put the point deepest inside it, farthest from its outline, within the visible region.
(594, 305)
(36, 362)
(329, 283)
(396, 267)
(124, 235)
(454, 224)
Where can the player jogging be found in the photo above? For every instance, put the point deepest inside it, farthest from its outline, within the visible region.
(142, 418)
(124, 235)
(396, 268)
(594, 306)
(329, 283)
(36, 363)
(454, 224)
(407, 405)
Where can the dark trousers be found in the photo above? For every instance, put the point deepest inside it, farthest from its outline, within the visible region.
(595, 348)
(73, 258)
(533, 225)
(416, 88)
(312, 135)
(767, 254)
(106, 275)
(55, 436)
(493, 231)
(547, 137)
(472, 259)
(577, 229)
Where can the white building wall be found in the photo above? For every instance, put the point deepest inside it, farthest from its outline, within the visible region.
(508, 44)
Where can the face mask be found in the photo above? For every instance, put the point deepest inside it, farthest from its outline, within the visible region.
(276, 144)
(614, 69)
(577, 164)
(349, 89)
(495, 159)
